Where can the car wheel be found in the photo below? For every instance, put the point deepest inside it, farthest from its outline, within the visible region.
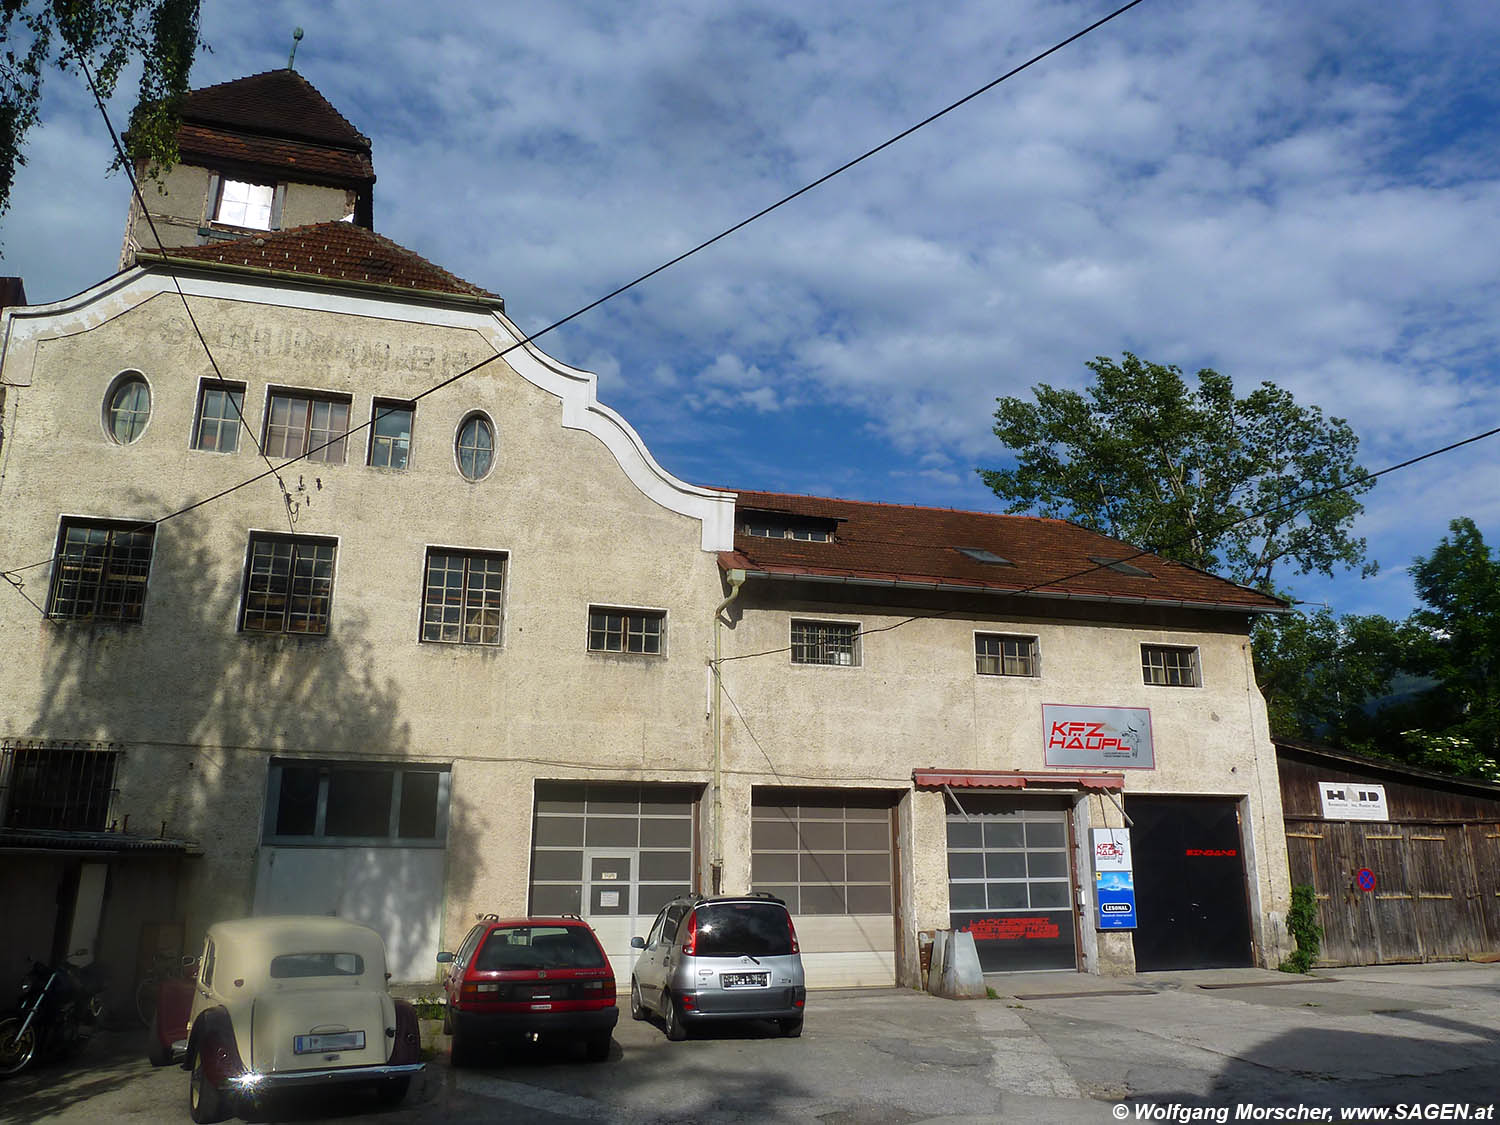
(637, 1009)
(461, 1052)
(158, 1052)
(792, 1029)
(393, 1091)
(596, 1047)
(205, 1101)
(676, 1029)
(16, 1050)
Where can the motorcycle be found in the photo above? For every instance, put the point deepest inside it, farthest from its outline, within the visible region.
(57, 1010)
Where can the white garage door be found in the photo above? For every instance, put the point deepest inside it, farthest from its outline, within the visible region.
(828, 854)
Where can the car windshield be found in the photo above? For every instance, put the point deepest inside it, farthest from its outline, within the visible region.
(539, 947)
(732, 929)
(293, 965)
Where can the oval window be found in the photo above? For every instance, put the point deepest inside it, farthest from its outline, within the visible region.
(476, 447)
(127, 409)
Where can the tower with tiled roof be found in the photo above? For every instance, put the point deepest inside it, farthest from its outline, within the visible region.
(263, 153)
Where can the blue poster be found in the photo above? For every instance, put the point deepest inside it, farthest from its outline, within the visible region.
(1115, 893)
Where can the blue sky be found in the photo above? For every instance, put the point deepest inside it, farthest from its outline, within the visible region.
(1303, 193)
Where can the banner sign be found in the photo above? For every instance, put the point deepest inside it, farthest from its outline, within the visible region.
(1108, 737)
(1114, 880)
(1353, 800)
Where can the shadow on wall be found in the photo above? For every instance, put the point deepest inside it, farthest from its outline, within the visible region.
(202, 707)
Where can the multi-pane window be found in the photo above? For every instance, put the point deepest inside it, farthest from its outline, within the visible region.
(626, 630)
(1169, 665)
(356, 801)
(996, 654)
(289, 585)
(244, 205)
(220, 406)
(128, 409)
(56, 785)
(99, 573)
(825, 642)
(390, 434)
(772, 529)
(464, 597)
(475, 447)
(315, 425)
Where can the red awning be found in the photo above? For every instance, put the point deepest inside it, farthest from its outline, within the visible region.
(1013, 779)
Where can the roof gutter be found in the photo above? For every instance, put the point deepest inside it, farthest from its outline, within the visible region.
(1062, 595)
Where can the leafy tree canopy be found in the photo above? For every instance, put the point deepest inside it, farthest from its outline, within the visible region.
(36, 34)
(1192, 472)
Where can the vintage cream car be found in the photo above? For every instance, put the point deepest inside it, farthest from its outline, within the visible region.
(290, 1002)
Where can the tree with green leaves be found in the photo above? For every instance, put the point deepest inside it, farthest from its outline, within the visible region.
(108, 34)
(1242, 486)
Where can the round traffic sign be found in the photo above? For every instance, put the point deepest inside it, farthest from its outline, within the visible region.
(1365, 878)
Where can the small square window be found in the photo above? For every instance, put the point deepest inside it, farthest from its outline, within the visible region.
(288, 585)
(825, 642)
(626, 630)
(244, 205)
(998, 655)
(310, 425)
(1170, 666)
(390, 434)
(99, 572)
(220, 407)
(463, 600)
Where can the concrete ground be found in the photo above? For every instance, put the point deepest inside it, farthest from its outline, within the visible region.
(1052, 1047)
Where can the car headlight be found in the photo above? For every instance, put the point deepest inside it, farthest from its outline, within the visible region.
(247, 1081)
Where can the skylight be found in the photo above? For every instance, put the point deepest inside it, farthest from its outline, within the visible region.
(979, 554)
(1120, 566)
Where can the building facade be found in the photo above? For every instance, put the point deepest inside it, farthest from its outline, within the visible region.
(356, 604)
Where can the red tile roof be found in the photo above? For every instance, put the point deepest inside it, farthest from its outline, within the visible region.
(277, 102)
(335, 251)
(891, 543)
(214, 146)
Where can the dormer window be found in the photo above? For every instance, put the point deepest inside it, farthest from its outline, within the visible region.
(776, 525)
(241, 204)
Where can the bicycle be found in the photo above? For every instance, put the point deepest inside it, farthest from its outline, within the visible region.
(165, 965)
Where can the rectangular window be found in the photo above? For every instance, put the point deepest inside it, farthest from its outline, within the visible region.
(244, 205)
(464, 597)
(626, 630)
(56, 785)
(1169, 665)
(390, 434)
(100, 570)
(998, 655)
(314, 801)
(289, 584)
(300, 424)
(220, 406)
(825, 642)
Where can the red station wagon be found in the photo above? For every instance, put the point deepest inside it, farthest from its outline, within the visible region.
(529, 980)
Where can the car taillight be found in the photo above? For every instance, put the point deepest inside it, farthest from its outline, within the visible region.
(791, 931)
(690, 943)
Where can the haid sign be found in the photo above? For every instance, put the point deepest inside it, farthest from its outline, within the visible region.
(1114, 879)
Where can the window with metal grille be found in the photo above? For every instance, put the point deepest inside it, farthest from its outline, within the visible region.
(99, 573)
(464, 597)
(996, 654)
(310, 424)
(289, 584)
(825, 642)
(390, 435)
(219, 408)
(59, 785)
(1169, 666)
(626, 630)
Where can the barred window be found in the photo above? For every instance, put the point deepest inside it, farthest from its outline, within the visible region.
(1169, 666)
(996, 654)
(626, 630)
(99, 573)
(59, 785)
(464, 597)
(289, 584)
(825, 642)
(310, 424)
(220, 406)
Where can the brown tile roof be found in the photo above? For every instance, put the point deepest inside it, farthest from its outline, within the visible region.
(335, 251)
(277, 102)
(910, 545)
(215, 146)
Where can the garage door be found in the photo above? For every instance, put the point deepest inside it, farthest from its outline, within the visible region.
(828, 854)
(614, 854)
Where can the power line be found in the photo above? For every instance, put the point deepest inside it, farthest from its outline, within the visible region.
(273, 470)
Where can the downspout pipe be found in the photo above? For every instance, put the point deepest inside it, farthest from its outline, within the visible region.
(736, 579)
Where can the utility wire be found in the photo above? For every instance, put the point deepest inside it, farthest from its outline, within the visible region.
(273, 470)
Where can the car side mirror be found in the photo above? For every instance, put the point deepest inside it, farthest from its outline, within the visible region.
(637, 943)
(444, 957)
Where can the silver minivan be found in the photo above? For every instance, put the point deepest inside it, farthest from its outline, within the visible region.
(730, 957)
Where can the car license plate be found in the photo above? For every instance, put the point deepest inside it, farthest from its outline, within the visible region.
(743, 980)
(343, 1041)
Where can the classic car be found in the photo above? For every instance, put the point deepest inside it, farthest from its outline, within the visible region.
(286, 1003)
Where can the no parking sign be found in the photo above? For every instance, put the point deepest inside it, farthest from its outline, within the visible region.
(1365, 878)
